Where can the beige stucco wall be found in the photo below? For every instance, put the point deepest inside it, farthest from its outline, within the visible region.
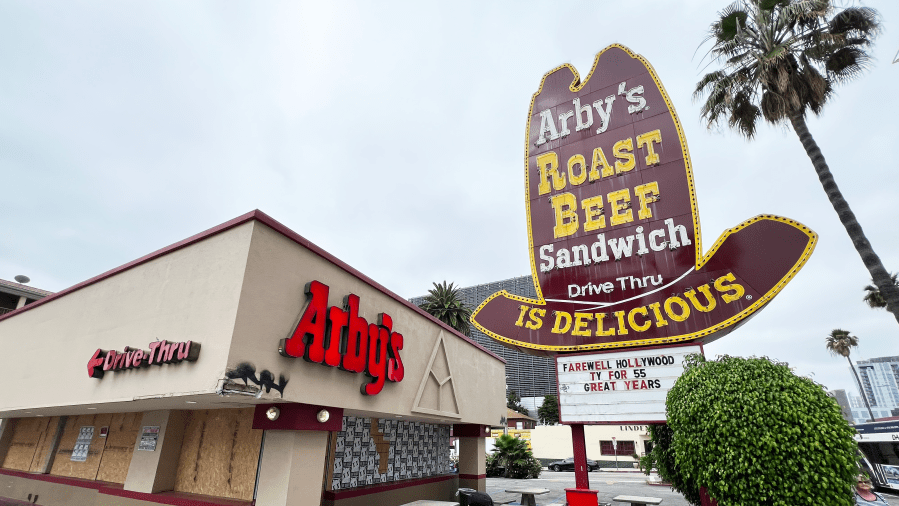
(238, 293)
(272, 301)
(188, 294)
(554, 441)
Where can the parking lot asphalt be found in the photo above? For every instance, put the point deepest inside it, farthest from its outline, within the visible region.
(607, 484)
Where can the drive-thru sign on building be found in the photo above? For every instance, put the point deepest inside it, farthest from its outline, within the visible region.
(615, 245)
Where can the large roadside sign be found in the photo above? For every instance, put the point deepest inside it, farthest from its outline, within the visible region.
(613, 225)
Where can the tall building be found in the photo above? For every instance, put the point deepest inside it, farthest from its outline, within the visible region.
(880, 382)
(527, 375)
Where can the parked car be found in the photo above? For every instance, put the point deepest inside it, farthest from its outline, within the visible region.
(568, 465)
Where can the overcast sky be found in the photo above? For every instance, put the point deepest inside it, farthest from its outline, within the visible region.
(391, 135)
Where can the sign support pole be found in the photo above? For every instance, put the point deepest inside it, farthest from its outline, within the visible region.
(581, 478)
(581, 495)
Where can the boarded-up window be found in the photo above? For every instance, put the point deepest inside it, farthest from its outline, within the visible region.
(219, 454)
(31, 441)
(119, 446)
(63, 465)
(108, 457)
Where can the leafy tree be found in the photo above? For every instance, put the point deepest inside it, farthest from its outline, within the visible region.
(513, 402)
(662, 457)
(873, 298)
(442, 302)
(839, 342)
(512, 459)
(548, 412)
(754, 434)
(781, 59)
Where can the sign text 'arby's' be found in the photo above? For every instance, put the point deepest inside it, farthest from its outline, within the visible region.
(339, 337)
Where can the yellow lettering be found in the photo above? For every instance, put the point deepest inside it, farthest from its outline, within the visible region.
(685, 309)
(520, 322)
(600, 331)
(564, 205)
(737, 289)
(621, 328)
(642, 192)
(648, 138)
(599, 160)
(535, 322)
(657, 313)
(593, 217)
(634, 312)
(710, 300)
(581, 320)
(548, 163)
(577, 161)
(557, 328)
(620, 200)
(622, 150)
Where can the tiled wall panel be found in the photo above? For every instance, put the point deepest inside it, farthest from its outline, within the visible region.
(391, 450)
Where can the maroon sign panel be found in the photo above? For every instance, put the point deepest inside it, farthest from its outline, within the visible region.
(615, 246)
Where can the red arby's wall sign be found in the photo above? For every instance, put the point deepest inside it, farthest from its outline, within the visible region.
(341, 338)
(613, 226)
(161, 352)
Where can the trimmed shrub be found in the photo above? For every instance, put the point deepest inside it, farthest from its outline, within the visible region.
(753, 433)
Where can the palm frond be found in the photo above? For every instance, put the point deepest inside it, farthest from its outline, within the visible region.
(856, 22)
(847, 64)
(839, 342)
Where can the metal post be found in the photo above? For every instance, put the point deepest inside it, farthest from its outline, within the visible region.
(615, 451)
(581, 476)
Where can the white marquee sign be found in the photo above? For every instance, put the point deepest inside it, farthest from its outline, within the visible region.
(619, 387)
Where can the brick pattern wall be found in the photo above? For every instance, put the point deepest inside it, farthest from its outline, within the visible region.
(411, 450)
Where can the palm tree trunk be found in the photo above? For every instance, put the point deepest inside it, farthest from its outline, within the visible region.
(861, 388)
(875, 267)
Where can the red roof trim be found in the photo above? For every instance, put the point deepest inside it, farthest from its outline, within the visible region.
(278, 227)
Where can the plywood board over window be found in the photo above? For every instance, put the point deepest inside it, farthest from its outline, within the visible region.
(119, 446)
(63, 464)
(219, 454)
(30, 443)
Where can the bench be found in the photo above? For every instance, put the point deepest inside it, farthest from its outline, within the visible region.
(636, 500)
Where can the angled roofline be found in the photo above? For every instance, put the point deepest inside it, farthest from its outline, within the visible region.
(255, 215)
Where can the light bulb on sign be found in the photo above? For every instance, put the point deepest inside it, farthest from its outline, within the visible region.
(323, 416)
(272, 413)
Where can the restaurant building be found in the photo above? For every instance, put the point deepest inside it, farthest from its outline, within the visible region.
(241, 364)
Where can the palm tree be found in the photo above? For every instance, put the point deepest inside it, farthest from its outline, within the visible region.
(443, 303)
(781, 59)
(514, 456)
(873, 298)
(839, 342)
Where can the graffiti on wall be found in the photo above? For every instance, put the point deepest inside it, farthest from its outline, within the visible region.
(247, 372)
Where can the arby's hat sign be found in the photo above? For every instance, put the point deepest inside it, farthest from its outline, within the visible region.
(613, 227)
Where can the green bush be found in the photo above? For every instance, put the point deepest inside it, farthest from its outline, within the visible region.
(663, 458)
(753, 433)
(511, 458)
